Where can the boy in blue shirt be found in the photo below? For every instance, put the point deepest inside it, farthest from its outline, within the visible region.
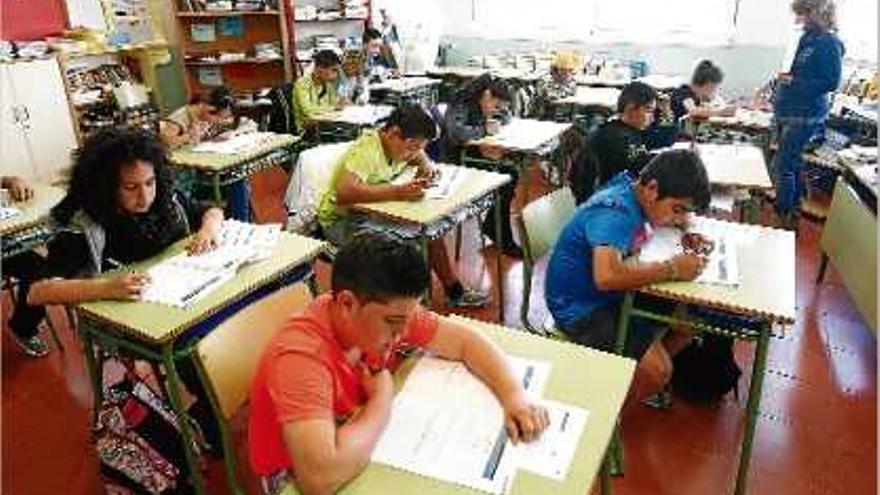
(587, 275)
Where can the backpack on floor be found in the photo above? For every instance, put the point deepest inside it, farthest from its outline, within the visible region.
(705, 370)
(137, 437)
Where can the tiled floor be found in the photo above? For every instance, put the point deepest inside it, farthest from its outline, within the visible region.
(816, 433)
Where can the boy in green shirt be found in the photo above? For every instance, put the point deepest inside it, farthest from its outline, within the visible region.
(365, 173)
(318, 92)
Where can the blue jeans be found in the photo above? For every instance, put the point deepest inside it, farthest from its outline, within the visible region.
(794, 134)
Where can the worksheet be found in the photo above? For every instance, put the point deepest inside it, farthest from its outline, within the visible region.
(7, 212)
(722, 267)
(552, 453)
(236, 144)
(446, 424)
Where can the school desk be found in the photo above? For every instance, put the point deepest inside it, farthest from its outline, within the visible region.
(30, 228)
(595, 80)
(765, 295)
(429, 219)
(586, 103)
(234, 169)
(346, 124)
(396, 92)
(603, 395)
(737, 167)
(167, 334)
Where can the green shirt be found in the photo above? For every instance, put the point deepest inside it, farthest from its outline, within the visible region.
(366, 159)
(307, 99)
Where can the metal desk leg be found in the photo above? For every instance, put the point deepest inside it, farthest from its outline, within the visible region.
(499, 254)
(92, 367)
(218, 194)
(752, 407)
(605, 487)
(173, 389)
(623, 322)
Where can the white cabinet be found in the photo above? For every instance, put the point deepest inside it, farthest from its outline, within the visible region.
(37, 130)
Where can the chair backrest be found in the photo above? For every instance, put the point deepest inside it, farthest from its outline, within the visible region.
(230, 353)
(281, 115)
(310, 178)
(543, 220)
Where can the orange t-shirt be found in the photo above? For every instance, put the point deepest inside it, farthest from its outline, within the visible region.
(303, 374)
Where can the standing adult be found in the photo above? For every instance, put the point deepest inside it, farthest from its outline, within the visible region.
(801, 101)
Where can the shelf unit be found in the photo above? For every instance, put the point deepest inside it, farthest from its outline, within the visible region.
(242, 76)
(304, 31)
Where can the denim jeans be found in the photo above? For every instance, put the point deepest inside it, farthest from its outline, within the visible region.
(794, 134)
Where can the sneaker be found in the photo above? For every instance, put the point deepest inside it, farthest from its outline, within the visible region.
(33, 346)
(468, 298)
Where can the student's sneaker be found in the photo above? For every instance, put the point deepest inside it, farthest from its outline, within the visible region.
(467, 298)
(33, 346)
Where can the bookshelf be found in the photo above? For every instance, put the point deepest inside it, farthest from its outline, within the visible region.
(246, 49)
(321, 24)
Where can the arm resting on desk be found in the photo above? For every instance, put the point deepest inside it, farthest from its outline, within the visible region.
(352, 190)
(457, 342)
(70, 291)
(610, 272)
(325, 457)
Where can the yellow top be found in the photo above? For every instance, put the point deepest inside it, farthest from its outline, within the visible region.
(364, 158)
(157, 323)
(311, 98)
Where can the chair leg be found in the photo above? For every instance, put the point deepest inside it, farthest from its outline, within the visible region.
(54, 332)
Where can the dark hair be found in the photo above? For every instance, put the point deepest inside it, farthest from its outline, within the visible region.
(377, 267)
(679, 174)
(371, 34)
(471, 92)
(221, 98)
(707, 72)
(94, 179)
(413, 121)
(327, 59)
(637, 94)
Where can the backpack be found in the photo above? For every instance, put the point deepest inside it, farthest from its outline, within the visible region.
(137, 437)
(705, 370)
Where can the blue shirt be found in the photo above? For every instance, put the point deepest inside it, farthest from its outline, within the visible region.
(612, 217)
(815, 73)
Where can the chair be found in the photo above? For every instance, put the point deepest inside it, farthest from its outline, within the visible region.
(541, 222)
(226, 360)
(310, 178)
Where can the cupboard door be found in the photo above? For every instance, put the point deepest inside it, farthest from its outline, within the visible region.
(15, 158)
(48, 124)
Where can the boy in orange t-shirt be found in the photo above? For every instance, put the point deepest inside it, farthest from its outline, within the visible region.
(333, 360)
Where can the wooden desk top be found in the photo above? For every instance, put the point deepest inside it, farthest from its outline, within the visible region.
(475, 184)
(525, 135)
(359, 115)
(767, 276)
(592, 96)
(219, 162)
(602, 394)
(158, 323)
(737, 165)
(34, 211)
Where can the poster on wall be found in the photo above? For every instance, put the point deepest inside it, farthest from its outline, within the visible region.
(210, 76)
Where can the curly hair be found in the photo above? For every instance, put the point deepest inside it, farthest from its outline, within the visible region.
(94, 178)
(822, 13)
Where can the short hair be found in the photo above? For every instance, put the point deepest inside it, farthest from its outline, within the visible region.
(471, 92)
(707, 72)
(221, 98)
(413, 121)
(371, 34)
(637, 94)
(327, 59)
(679, 174)
(378, 267)
(822, 13)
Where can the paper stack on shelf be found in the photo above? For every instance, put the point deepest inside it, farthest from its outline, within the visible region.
(305, 13)
(355, 9)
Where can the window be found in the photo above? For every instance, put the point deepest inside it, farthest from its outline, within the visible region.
(857, 27)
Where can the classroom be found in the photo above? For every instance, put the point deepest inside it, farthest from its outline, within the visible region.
(307, 247)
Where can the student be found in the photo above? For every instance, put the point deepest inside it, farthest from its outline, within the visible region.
(620, 144)
(25, 267)
(119, 209)
(558, 84)
(319, 91)
(801, 101)
(478, 109)
(322, 392)
(587, 273)
(693, 99)
(379, 62)
(202, 119)
(354, 88)
(364, 174)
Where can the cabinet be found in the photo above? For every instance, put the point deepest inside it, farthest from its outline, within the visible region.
(37, 129)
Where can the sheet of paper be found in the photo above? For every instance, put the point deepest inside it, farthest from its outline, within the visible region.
(722, 267)
(179, 285)
(7, 212)
(237, 144)
(446, 424)
(448, 180)
(526, 134)
(552, 453)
